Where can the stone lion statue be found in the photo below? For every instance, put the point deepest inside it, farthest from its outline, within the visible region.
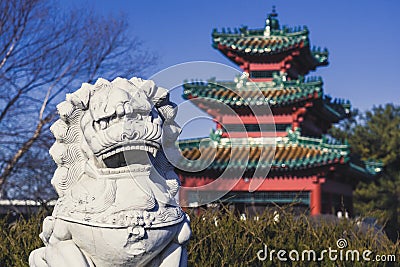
(117, 189)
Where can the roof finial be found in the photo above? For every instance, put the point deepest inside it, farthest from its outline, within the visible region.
(271, 23)
(274, 14)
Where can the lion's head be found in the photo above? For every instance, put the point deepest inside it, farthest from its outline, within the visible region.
(109, 128)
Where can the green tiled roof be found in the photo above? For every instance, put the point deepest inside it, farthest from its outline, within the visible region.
(259, 42)
(291, 153)
(294, 152)
(277, 93)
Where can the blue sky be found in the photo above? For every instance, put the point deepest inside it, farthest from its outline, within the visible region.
(362, 37)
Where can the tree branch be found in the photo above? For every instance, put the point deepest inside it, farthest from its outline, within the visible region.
(23, 149)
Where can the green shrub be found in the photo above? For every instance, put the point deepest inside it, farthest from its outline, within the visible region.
(221, 238)
(18, 239)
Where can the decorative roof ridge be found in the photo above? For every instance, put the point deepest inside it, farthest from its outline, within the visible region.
(244, 32)
(301, 81)
(336, 101)
(319, 50)
(295, 137)
(240, 83)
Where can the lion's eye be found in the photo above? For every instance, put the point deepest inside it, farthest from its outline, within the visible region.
(128, 108)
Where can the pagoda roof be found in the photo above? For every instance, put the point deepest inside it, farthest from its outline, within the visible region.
(290, 154)
(278, 93)
(294, 152)
(266, 42)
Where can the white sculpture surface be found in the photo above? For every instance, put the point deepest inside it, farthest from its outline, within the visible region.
(116, 188)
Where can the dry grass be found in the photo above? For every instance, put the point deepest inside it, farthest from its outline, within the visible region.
(235, 242)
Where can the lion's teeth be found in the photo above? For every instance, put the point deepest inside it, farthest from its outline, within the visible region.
(106, 155)
(110, 153)
(153, 151)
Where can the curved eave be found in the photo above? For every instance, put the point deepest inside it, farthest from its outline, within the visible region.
(360, 169)
(335, 112)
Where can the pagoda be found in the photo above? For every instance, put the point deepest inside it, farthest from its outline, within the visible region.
(307, 167)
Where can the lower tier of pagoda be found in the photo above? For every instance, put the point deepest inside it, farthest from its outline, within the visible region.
(313, 173)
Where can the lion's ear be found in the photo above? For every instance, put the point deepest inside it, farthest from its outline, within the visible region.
(161, 97)
(81, 97)
(65, 110)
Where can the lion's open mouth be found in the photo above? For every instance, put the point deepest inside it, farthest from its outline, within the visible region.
(134, 152)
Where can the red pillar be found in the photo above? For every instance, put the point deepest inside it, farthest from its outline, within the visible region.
(315, 201)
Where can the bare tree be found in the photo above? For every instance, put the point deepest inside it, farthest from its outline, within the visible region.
(44, 53)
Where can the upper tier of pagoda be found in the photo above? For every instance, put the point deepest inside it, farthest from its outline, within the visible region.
(272, 49)
(243, 93)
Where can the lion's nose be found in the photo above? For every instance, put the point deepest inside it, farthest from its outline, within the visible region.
(130, 136)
